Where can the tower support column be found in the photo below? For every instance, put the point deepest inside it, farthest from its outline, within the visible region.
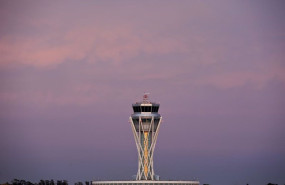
(145, 137)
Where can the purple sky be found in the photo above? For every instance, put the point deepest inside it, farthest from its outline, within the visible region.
(69, 72)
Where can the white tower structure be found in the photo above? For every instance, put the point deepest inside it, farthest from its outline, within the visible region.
(145, 123)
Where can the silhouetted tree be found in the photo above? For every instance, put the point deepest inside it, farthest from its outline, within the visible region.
(42, 182)
(15, 182)
(86, 182)
(29, 183)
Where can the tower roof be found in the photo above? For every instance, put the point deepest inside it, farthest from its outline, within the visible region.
(146, 101)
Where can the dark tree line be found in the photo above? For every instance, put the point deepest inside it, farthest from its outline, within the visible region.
(41, 182)
(59, 182)
(80, 183)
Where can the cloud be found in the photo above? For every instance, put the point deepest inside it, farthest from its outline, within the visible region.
(238, 79)
(89, 44)
(173, 46)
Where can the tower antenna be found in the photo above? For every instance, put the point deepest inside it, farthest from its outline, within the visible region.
(145, 97)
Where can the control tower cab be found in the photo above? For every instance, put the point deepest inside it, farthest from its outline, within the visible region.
(145, 123)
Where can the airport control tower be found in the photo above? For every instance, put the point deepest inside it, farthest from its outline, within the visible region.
(145, 123)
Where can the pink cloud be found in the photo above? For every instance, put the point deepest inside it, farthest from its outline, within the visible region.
(92, 44)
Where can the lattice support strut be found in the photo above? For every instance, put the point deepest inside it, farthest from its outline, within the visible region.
(145, 138)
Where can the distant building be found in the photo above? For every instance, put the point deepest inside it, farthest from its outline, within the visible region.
(145, 182)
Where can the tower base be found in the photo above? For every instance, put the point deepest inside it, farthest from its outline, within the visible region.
(145, 182)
